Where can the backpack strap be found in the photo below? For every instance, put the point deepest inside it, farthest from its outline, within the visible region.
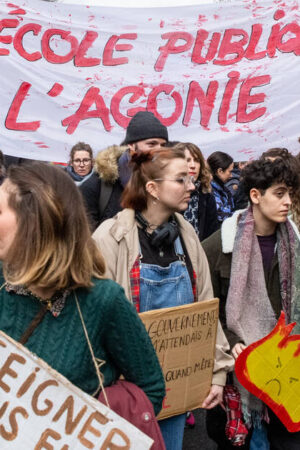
(105, 193)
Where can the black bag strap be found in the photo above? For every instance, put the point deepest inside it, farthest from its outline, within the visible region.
(33, 324)
(105, 193)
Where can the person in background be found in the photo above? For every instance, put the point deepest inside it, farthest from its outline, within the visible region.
(145, 132)
(233, 183)
(80, 167)
(254, 263)
(155, 254)
(276, 152)
(102, 192)
(295, 208)
(52, 273)
(202, 211)
(241, 199)
(2, 167)
(221, 165)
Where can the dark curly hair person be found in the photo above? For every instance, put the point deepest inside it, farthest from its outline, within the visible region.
(254, 263)
(263, 173)
(272, 154)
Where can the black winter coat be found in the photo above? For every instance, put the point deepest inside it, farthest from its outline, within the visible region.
(207, 213)
(91, 190)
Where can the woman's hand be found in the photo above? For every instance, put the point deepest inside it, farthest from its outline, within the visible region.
(237, 349)
(214, 398)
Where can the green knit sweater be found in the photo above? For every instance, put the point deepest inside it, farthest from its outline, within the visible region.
(116, 333)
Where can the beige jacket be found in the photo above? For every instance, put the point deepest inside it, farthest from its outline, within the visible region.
(118, 241)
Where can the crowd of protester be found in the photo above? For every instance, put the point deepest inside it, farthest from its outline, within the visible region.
(149, 203)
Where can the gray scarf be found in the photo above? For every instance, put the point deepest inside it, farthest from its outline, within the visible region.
(249, 313)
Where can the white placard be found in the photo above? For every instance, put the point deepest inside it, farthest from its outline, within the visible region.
(39, 409)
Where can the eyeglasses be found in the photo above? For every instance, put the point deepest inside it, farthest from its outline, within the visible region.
(84, 161)
(186, 180)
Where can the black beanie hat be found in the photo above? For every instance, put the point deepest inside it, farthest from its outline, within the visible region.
(144, 125)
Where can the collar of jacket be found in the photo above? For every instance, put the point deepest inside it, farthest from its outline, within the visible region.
(125, 223)
(106, 163)
(229, 229)
(217, 184)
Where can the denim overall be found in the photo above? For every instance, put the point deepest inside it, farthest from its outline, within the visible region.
(163, 287)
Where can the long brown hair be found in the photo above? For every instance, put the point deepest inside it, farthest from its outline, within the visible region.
(53, 247)
(204, 174)
(147, 165)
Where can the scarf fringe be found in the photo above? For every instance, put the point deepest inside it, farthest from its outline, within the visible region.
(254, 418)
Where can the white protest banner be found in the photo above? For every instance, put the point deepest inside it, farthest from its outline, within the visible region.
(184, 338)
(40, 409)
(224, 76)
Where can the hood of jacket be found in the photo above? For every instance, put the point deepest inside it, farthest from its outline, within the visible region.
(106, 163)
(228, 231)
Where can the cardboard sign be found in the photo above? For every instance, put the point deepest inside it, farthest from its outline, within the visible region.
(40, 409)
(184, 339)
(270, 370)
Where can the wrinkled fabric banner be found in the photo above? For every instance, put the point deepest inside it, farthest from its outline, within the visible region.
(224, 76)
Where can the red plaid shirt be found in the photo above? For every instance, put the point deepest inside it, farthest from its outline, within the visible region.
(135, 283)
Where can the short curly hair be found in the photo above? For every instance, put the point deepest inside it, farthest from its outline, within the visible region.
(262, 174)
(80, 146)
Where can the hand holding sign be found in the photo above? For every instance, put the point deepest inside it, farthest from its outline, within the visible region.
(270, 369)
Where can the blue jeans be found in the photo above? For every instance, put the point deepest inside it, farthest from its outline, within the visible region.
(259, 439)
(172, 430)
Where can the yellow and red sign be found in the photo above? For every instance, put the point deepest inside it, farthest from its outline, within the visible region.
(270, 369)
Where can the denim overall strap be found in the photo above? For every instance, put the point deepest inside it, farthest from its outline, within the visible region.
(164, 287)
(179, 252)
(178, 247)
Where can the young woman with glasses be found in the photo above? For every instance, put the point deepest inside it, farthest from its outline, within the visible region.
(155, 254)
(80, 166)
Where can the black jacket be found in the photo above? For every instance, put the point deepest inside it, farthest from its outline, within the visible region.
(105, 178)
(91, 191)
(207, 213)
